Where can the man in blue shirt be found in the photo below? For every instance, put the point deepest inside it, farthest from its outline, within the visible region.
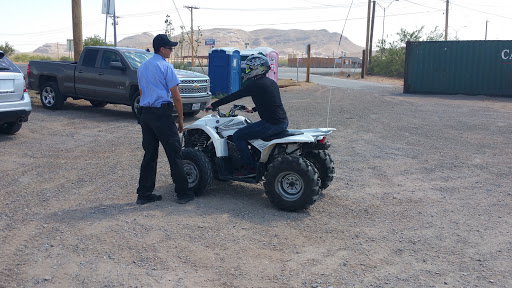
(156, 80)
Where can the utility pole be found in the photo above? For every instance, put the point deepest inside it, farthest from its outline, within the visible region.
(365, 61)
(371, 34)
(446, 22)
(486, 21)
(191, 8)
(76, 7)
(115, 25)
(384, 18)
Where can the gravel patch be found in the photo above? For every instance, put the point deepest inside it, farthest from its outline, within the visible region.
(422, 198)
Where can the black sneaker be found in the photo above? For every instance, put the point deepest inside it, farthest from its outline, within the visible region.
(144, 199)
(246, 172)
(184, 199)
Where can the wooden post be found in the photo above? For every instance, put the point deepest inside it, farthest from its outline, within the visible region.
(78, 41)
(363, 65)
(309, 58)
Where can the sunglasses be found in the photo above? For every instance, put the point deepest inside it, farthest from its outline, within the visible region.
(169, 48)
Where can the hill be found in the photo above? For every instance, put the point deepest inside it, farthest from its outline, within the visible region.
(323, 43)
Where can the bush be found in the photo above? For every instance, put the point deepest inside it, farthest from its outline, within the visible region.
(181, 66)
(390, 57)
(283, 62)
(96, 40)
(24, 58)
(7, 49)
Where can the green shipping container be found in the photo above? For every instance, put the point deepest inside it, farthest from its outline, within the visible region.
(459, 67)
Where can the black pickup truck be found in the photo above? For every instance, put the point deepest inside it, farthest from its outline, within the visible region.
(108, 75)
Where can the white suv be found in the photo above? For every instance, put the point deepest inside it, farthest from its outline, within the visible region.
(15, 103)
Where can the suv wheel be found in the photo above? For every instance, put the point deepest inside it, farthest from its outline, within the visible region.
(10, 128)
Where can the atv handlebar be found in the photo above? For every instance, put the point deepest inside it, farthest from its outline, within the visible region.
(231, 113)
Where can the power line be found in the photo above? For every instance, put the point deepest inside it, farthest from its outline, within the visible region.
(483, 12)
(320, 21)
(420, 4)
(274, 9)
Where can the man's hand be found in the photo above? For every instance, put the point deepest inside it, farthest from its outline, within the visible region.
(208, 108)
(179, 121)
(248, 109)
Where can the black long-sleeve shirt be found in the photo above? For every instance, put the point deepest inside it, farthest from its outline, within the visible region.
(266, 97)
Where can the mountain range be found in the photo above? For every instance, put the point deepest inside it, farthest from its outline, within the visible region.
(285, 42)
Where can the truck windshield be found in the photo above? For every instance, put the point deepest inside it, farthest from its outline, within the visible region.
(135, 58)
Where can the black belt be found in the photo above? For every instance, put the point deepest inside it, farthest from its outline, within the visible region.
(164, 107)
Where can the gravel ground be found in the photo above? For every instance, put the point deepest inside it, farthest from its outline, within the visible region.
(422, 198)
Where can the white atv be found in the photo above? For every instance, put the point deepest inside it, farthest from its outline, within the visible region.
(294, 164)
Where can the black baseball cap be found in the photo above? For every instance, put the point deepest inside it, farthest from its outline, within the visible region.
(162, 40)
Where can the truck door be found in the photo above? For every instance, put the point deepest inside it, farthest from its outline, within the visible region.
(86, 74)
(111, 82)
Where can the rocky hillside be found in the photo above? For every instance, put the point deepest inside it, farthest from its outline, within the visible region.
(55, 50)
(323, 43)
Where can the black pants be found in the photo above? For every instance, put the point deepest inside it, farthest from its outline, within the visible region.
(158, 126)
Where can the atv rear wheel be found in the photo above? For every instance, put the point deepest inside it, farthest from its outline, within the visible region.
(197, 169)
(324, 164)
(292, 183)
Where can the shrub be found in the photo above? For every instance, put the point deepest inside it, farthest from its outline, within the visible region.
(390, 57)
(7, 49)
(24, 58)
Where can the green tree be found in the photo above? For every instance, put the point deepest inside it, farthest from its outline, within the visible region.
(435, 35)
(7, 49)
(96, 40)
(390, 57)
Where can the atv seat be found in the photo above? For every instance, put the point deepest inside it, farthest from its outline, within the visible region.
(285, 133)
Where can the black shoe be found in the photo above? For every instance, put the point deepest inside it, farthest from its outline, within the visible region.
(246, 172)
(144, 199)
(184, 199)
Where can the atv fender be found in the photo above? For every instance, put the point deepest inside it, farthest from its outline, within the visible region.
(221, 145)
(268, 150)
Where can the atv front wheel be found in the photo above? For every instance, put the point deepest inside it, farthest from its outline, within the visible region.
(292, 183)
(197, 169)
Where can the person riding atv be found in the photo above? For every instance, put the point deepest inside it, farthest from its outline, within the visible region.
(267, 100)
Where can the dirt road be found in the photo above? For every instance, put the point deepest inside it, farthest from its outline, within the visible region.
(422, 198)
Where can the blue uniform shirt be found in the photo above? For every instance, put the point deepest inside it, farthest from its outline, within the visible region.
(156, 76)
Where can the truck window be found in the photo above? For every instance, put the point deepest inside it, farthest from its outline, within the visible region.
(108, 57)
(135, 58)
(90, 58)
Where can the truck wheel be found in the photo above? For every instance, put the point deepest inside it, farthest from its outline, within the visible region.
(10, 128)
(51, 97)
(197, 169)
(292, 183)
(136, 105)
(324, 164)
(98, 104)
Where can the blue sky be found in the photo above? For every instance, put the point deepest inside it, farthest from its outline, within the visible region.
(28, 24)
